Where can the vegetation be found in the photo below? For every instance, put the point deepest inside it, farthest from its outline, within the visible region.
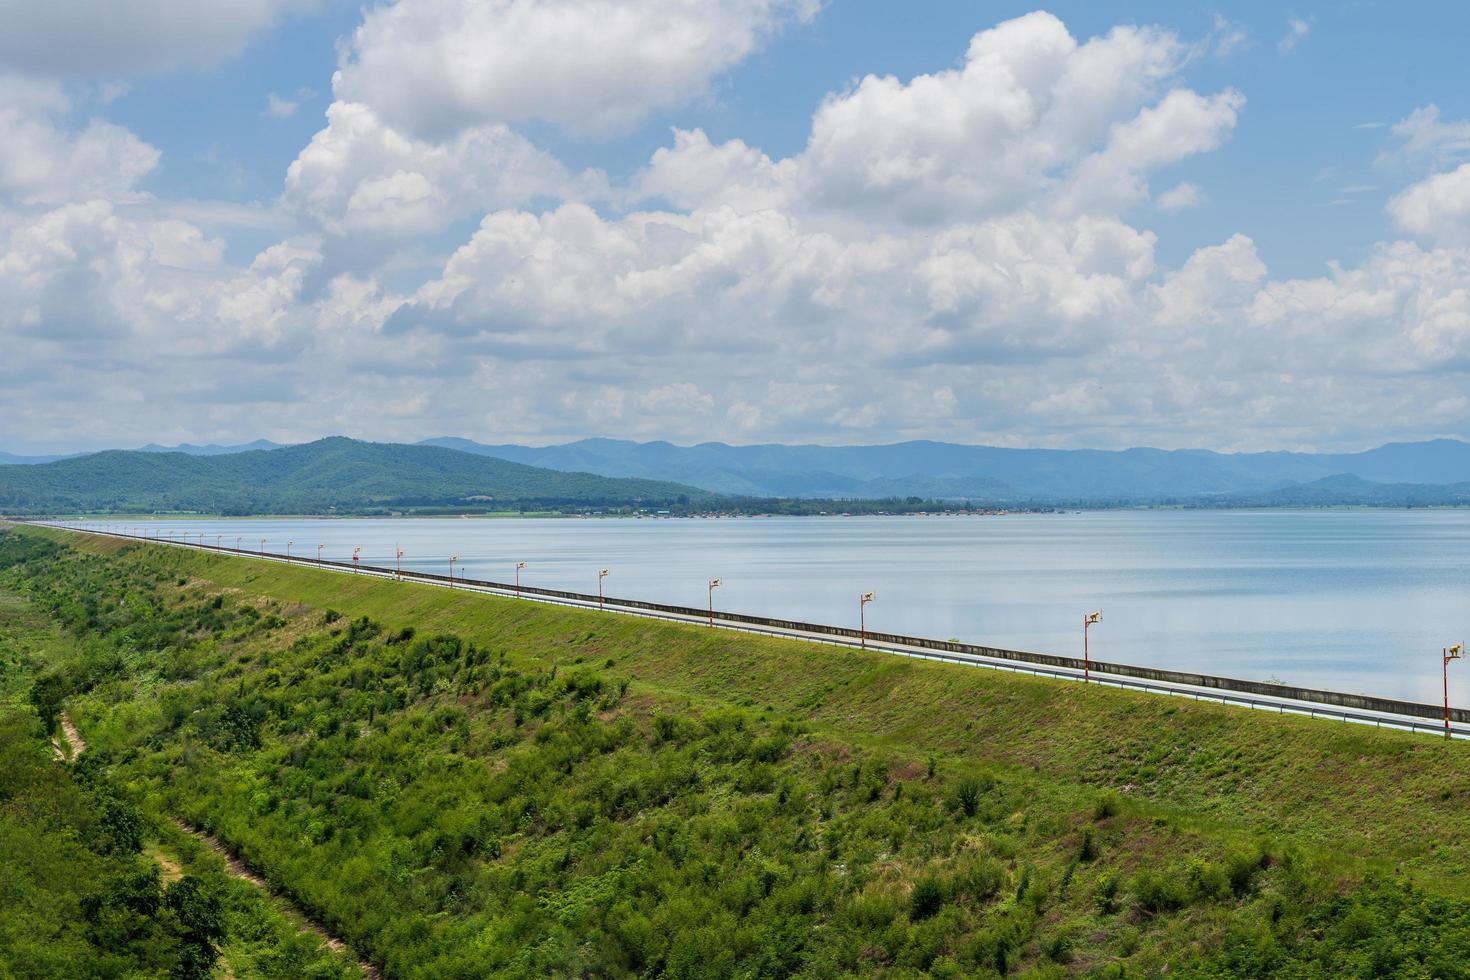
(328, 476)
(468, 786)
(91, 886)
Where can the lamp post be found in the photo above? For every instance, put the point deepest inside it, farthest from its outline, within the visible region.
(1088, 621)
(288, 549)
(398, 554)
(356, 553)
(1455, 652)
(519, 565)
(714, 583)
(863, 601)
(237, 544)
(452, 560)
(262, 547)
(217, 539)
(600, 576)
(319, 553)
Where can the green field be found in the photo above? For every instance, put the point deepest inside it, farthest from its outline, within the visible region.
(463, 786)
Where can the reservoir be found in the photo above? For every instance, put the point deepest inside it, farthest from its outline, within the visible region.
(1350, 600)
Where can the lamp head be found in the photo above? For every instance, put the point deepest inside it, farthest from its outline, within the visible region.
(1094, 617)
(715, 583)
(1456, 651)
(868, 596)
(520, 564)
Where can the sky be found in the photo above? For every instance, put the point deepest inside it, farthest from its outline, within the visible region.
(1237, 226)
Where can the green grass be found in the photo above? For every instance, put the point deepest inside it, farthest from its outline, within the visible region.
(555, 791)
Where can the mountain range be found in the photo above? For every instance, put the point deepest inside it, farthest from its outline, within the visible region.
(334, 475)
(1397, 473)
(950, 471)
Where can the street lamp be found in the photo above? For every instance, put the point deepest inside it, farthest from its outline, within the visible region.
(398, 554)
(1456, 652)
(714, 583)
(237, 543)
(262, 547)
(288, 549)
(600, 576)
(1088, 621)
(519, 565)
(356, 553)
(319, 553)
(217, 539)
(452, 560)
(863, 601)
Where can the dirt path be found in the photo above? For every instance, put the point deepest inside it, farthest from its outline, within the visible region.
(244, 872)
(73, 737)
(236, 867)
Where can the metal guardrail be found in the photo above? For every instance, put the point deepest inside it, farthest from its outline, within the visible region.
(1199, 687)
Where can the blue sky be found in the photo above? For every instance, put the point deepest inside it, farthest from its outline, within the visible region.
(1232, 226)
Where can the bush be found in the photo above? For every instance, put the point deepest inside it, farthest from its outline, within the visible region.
(967, 796)
(1157, 893)
(927, 898)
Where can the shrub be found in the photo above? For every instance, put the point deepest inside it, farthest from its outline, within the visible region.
(1157, 893)
(967, 796)
(927, 898)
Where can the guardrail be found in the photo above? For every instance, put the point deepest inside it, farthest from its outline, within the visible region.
(1226, 690)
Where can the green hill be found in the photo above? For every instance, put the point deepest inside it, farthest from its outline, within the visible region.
(331, 475)
(470, 786)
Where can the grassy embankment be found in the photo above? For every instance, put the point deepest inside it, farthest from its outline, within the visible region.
(460, 784)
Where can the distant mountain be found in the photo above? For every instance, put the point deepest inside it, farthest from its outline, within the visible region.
(190, 449)
(947, 470)
(10, 459)
(331, 475)
(1348, 490)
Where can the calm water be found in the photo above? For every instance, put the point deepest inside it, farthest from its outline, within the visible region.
(1349, 600)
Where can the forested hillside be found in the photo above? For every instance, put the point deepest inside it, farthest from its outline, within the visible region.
(464, 786)
(329, 476)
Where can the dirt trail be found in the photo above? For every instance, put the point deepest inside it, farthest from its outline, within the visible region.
(73, 737)
(233, 864)
(244, 872)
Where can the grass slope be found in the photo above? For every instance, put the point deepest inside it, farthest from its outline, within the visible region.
(468, 786)
(328, 475)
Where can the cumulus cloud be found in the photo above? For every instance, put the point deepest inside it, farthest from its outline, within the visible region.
(1436, 208)
(44, 160)
(1180, 197)
(101, 38)
(361, 175)
(1033, 118)
(432, 67)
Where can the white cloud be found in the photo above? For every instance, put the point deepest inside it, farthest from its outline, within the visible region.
(1437, 208)
(1425, 138)
(431, 67)
(101, 38)
(1180, 197)
(1296, 32)
(1226, 37)
(1032, 119)
(42, 161)
(277, 107)
(361, 175)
